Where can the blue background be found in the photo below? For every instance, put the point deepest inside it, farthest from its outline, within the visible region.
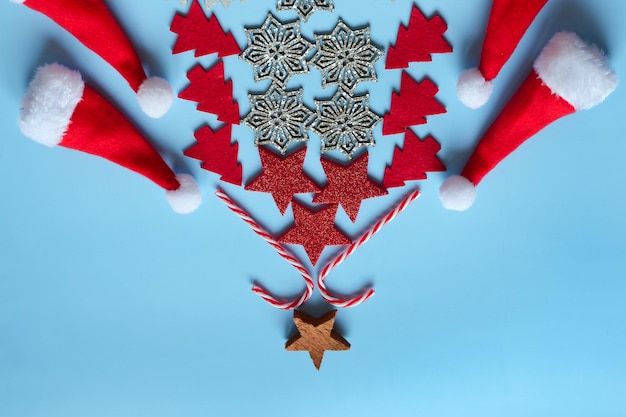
(113, 305)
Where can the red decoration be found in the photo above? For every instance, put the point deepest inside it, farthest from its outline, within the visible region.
(411, 105)
(93, 24)
(204, 35)
(508, 21)
(217, 153)
(533, 107)
(418, 41)
(314, 230)
(212, 93)
(98, 128)
(283, 177)
(348, 185)
(413, 161)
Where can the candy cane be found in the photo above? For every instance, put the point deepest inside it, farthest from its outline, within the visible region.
(346, 302)
(266, 295)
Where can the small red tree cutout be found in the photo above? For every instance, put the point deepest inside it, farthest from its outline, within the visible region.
(217, 153)
(212, 93)
(411, 105)
(204, 35)
(418, 41)
(413, 161)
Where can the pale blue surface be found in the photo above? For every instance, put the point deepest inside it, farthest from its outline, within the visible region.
(112, 305)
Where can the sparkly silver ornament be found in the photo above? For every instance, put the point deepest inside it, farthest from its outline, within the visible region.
(210, 3)
(278, 117)
(345, 122)
(346, 56)
(276, 50)
(305, 8)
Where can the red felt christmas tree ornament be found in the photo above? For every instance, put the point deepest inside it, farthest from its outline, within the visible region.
(91, 22)
(508, 21)
(59, 109)
(569, 75)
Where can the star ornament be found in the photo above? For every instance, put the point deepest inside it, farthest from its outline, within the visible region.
(316, 335)
(283, 177)
(348, 185)
(277, 50)
(314, 230)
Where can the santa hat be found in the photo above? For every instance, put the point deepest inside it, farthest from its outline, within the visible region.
(508, 21)
(91, 22)
(59, 109)
(569, 75)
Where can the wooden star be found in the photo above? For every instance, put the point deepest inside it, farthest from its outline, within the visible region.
(314, 230)
(348, 185)
(316, 336)
(283, 177)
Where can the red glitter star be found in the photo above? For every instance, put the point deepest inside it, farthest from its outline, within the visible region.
(283, 177)
(348, 185)
(314, 230)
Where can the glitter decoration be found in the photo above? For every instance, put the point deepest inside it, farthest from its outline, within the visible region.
(346, 56)
(348, 185)
(314, 230)
(209, 4)
(345, 122)
(305, 8)
(278, 117)
(283, 177)
(276, 50)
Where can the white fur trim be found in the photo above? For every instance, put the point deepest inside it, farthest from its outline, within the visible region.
(472, 88)
(576, 71)
(188, 196)
(49, 103)
(18, 1)
(155, 97)
(457, 193)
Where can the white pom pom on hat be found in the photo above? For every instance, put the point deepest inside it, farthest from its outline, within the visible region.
(60, 109)
(457, 193)
(569, 75)
(508, 21)
(472, 88)
(155, 97)
(186, 198)
(79, 18)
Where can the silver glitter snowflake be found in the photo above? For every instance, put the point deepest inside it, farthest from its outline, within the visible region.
(279, 117)
(305, 8)
(210, 3)
(345, 122)
(346, 56)
(276, 50)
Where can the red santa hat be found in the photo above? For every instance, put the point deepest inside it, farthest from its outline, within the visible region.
(59, 109)
(91, 22)
(508, 21)
(569, 75)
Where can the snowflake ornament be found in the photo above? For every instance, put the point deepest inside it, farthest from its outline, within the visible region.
(278, 117)
(209, 4)
(345, 122)
(346, 56)
(305, 8)
(276, 50)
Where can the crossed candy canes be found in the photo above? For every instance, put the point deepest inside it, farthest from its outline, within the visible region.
(204, 35)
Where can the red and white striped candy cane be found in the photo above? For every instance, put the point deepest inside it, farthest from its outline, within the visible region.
(346, 302)
(266, 295)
